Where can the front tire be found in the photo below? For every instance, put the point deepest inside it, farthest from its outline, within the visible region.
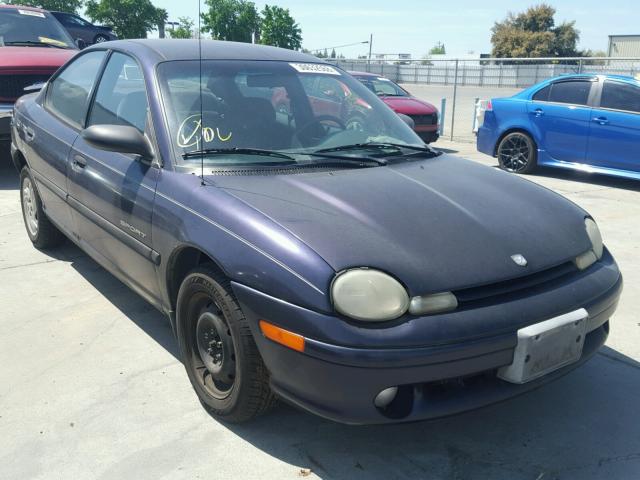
(100, 38)
(42, 233)
(218, 349)
(517, 153)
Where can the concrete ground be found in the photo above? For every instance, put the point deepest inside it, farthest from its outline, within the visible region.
(91, 387)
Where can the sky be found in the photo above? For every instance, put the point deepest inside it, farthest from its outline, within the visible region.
(414, 26)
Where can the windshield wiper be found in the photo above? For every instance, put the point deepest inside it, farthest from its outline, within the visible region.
(36, 44)
(241, 151)
(378, 146)
(343, 159)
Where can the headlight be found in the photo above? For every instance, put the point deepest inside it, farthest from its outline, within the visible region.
(594, 235)
(369, 295)
(590, 257)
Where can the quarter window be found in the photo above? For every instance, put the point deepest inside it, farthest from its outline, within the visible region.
(542, 95)
(68, 94)
(121, 98)
(620, 96)
(573, 92)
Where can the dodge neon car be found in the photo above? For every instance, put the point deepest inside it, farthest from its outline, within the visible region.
(589, 123)
(355, 273)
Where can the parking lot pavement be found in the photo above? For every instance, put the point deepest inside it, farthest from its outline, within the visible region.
(91, 387)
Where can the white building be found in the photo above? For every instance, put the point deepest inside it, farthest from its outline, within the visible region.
(624, 46)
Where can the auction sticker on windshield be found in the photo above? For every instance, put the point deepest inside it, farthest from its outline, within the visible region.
(31, 13)
(314, 68)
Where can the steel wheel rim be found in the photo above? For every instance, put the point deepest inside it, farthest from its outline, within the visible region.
(29, 207)
(515, 153)
(214, 359)
(100, 39)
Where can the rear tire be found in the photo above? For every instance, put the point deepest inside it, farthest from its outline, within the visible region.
(218, 349)
(42, 233)
(100, 38)
(517, 153)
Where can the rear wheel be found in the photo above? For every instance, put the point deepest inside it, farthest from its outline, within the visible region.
(218, 350)
(517, 153)
(42, 233)
(100, 38)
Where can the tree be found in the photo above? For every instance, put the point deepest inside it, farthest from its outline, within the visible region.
(278, 28)
(161, 20)
(184, 28)
(70, 6)
(533, 33)
(438, 49)
(129, 18)
(235, 20)
(333, 53)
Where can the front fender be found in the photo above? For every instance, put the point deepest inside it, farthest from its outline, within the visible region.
(248, 247)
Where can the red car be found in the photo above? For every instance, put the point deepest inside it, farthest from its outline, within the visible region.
(423, 114)
(33, 45)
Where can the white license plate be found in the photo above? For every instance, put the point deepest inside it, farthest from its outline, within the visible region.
(547, 346)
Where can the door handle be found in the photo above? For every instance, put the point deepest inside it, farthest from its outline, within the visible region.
(601, 120)
(79, 162)
(538, 112)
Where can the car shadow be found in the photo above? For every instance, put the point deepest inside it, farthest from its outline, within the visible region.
(9, 178)
(583, 426)
(139, 311)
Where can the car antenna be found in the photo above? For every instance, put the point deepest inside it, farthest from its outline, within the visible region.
(200, 85)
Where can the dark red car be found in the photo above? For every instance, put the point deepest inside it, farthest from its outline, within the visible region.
(423, 114)
(33, 45)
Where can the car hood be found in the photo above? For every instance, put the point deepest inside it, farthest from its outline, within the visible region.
(409, 105)
(33, 59)
(438, 224)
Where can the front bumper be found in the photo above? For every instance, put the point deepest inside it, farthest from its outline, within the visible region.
(339, 379)
(6, 112)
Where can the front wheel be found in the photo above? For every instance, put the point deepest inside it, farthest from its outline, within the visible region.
(100, 38)
(42, 233)
(218, 349)
(517, 153)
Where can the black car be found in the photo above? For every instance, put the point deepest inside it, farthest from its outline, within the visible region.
(78, 27)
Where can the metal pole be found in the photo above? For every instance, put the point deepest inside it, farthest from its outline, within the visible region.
(580, 66)
(370, 45)
(443, 107)
(476, 106)
(455, 93)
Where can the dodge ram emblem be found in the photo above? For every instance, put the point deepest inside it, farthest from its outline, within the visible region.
(519, 260)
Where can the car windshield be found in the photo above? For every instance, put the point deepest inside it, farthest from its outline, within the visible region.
(291, 108)
(23, 27)
(383, 86)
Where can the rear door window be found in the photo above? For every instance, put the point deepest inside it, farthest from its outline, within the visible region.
(620, 96)
(572, 92)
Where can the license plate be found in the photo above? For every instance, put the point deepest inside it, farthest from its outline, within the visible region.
(546, 346)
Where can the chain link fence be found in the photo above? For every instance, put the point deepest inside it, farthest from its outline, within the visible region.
(464, 83)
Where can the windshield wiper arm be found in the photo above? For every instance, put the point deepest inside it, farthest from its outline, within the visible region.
(37, 44)
(239, 151)
(377, 146)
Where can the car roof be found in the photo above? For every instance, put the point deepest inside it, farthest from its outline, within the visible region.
(21, 7)
(356, 73)
(189, 49)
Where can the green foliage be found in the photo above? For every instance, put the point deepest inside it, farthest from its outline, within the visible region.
(70, 6)
(438, 49)
(129, 18)
(184, 28)
(278, 28)
(533, 33)
(234, 20)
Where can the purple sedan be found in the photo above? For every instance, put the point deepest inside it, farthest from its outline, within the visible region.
(340, 265)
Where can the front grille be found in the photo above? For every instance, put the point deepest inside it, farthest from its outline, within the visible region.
(511, 289)
(12, 86)
(429, 119)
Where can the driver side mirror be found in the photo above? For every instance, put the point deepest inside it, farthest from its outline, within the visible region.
(81, 44)
(119, 138)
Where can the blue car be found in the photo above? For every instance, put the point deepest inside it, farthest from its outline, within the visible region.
(353, 272)
(581, 122)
